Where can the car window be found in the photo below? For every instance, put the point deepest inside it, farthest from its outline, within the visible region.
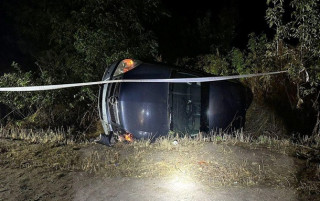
(185, 105)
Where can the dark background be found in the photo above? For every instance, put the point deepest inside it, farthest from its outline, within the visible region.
(178, 32)
(239, 17)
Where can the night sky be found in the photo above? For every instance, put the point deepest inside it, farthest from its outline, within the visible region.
(246, 16)
(250, 14)
(237, 16)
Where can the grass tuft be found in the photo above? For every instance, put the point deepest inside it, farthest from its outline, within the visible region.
(216, 159)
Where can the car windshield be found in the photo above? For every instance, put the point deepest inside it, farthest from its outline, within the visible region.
(185, 106)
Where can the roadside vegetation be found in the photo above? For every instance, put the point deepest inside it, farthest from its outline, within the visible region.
(76, 41)
(215, 160)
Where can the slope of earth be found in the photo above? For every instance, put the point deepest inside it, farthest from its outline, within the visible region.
(191, 170)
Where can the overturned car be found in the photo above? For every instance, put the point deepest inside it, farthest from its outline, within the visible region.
(150, 110)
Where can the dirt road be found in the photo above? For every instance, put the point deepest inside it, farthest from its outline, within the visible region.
(171, 189)
(206, 172)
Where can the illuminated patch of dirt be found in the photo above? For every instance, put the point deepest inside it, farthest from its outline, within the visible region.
(171, 189)
(144, 171)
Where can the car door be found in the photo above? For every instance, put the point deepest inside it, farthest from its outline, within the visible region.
(185, 102)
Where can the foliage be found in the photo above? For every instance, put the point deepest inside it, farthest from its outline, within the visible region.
(19, 79)
(303, 28)
(74, 41)
(297, 42)
(214, 64)
(238, 62)
(295, 47)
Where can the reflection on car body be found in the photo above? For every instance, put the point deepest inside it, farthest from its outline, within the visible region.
(150, 110)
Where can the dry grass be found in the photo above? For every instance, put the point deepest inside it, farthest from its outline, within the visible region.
(49, 156)
(216, 160)
(210, 159)
(37, 136)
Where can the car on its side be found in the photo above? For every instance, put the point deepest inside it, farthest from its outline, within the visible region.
(150, 110)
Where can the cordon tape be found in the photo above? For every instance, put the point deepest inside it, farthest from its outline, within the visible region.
(174, 80)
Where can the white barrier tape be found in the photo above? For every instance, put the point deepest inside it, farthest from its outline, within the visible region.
(174, 80)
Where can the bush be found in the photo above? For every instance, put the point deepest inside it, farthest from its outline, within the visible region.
(74, 45)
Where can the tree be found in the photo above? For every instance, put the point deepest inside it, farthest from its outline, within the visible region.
(297, 39)
(74, 41)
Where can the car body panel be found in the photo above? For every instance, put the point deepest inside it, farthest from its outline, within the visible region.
(140, 103)
(227, 105)
(150, 110)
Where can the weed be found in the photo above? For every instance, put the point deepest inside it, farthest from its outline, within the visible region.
(36, 136)
(216, 159)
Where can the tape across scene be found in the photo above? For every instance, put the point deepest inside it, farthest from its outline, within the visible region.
(174, 80)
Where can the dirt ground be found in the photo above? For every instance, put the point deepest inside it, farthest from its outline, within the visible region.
(218, 172)
(171, 189)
